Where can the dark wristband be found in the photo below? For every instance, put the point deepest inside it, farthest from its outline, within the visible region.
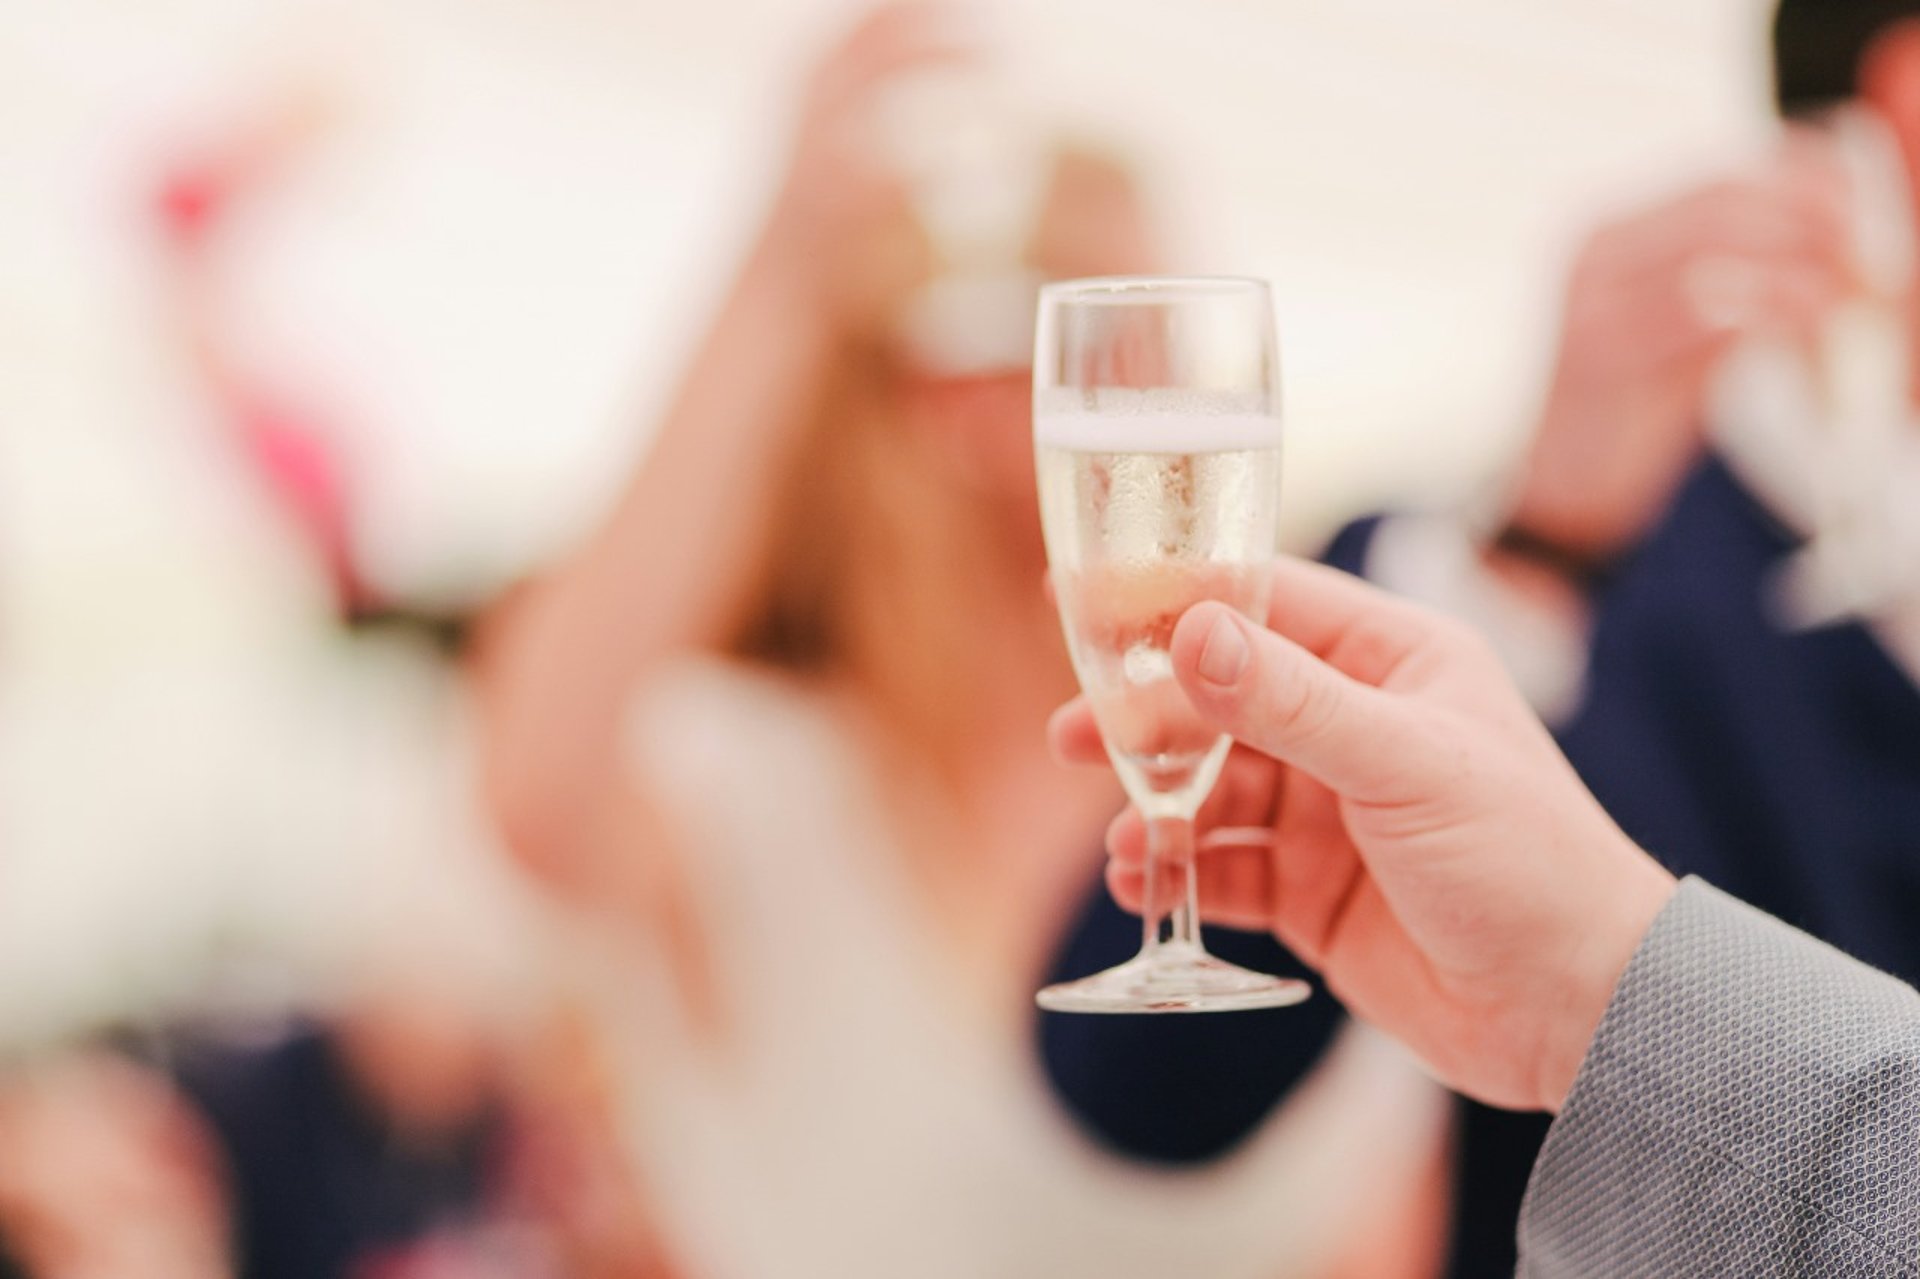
(1578, 567)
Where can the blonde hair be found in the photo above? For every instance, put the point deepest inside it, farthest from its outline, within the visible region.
(866, 583)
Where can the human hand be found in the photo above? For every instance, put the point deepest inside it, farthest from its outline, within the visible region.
(842, 221)
(1396, 815)
(1655, 300)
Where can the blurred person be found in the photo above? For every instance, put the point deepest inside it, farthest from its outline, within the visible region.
(1705, 578)
(446, 1116)
(106, 1171)
(409, 1136)
(817, 599)
(358, 1139)
(1733, 1097)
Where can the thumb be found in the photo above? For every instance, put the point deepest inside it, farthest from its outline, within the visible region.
(1276, 697)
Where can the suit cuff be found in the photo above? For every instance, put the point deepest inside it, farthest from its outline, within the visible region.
(1722, 1122)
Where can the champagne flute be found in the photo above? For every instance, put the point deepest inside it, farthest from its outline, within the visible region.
(1157, 443)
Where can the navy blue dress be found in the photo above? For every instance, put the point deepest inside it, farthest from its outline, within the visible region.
(320, 1184)
(1177, 1089)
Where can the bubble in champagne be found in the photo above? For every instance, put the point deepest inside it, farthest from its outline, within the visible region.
(1145, 664)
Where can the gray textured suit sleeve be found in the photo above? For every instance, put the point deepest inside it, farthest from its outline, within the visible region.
(1750, 1106)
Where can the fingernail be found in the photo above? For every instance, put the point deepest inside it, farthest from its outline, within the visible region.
(1223, 658)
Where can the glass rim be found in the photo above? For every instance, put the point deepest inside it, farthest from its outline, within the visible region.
(1100, 290)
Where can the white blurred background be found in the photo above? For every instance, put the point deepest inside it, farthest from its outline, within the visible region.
(509, 231)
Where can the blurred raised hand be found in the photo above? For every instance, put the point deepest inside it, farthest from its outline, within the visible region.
(841, 219)
(557, 662)
(1656, 299)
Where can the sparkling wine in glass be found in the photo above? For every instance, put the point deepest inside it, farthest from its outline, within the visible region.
(1157, 442)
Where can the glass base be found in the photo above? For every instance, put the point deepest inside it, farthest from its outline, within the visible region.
(1174, 977)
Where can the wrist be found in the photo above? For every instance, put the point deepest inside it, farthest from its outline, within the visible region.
(1567, 515)
(1564, 507)
(1533, 547)
(1635, 894)
(1590, 490)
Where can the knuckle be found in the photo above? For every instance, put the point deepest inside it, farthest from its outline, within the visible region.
(1304, 709)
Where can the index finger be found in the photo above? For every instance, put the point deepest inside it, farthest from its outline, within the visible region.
(1074, 736)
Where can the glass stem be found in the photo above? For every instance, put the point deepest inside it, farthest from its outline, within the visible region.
(1170, 844)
